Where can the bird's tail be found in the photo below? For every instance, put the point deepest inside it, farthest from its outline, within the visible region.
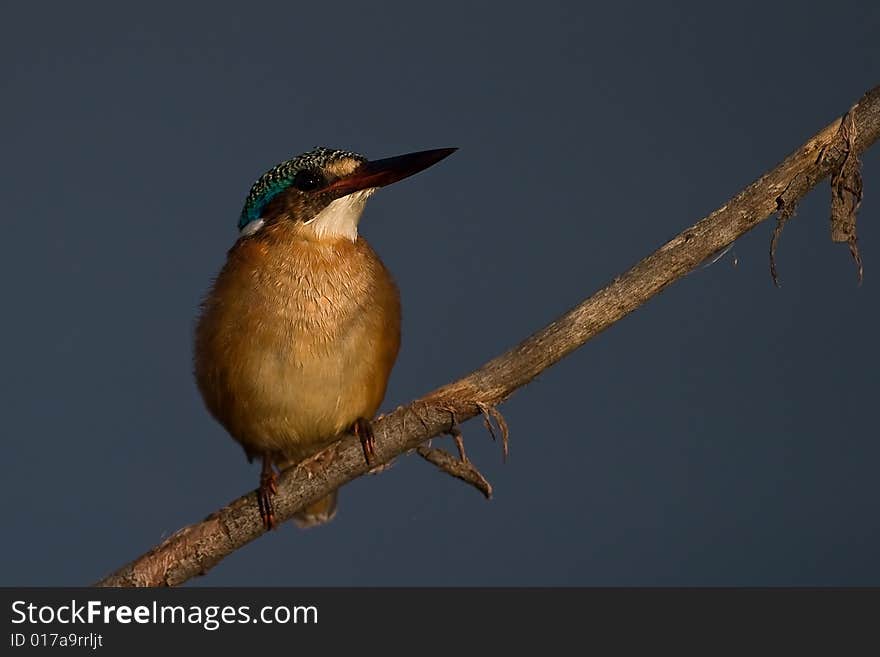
(318, 512)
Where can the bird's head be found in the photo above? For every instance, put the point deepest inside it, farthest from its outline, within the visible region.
(326, 189)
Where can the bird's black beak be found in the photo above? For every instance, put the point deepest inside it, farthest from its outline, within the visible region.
(378, 173)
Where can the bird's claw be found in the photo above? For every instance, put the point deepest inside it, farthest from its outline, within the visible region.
(364, 430)
(267, 490)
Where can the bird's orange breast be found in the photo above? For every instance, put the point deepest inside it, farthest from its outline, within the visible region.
(296, 340)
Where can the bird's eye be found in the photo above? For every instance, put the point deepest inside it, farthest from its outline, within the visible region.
(306, 180)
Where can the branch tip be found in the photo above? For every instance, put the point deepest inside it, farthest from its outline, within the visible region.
(459, 468)
(847, 190)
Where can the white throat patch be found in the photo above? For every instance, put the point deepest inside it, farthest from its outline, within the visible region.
(340, 218)
(252, 227)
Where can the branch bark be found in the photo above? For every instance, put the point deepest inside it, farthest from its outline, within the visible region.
(195, 549)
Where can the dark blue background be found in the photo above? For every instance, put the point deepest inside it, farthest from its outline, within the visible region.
(726, 433)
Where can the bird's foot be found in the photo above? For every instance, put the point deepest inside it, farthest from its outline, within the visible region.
(267, 490)
(364, 430)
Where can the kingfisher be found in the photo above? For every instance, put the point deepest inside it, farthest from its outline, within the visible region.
(299, 332)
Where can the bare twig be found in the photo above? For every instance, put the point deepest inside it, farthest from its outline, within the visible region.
(459, 442)
(195, 549)
(491, 413)
(458, 468)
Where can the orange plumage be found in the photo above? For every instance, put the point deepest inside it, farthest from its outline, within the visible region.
(296, 341)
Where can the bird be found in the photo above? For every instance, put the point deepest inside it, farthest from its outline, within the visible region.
(297, 336)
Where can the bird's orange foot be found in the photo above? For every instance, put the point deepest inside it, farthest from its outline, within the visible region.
(364, 430)
(267, 490)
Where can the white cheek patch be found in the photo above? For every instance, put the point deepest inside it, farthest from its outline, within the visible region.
(340, 218)
(252, 227)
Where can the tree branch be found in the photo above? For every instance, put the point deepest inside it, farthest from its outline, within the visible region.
(196, 549)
